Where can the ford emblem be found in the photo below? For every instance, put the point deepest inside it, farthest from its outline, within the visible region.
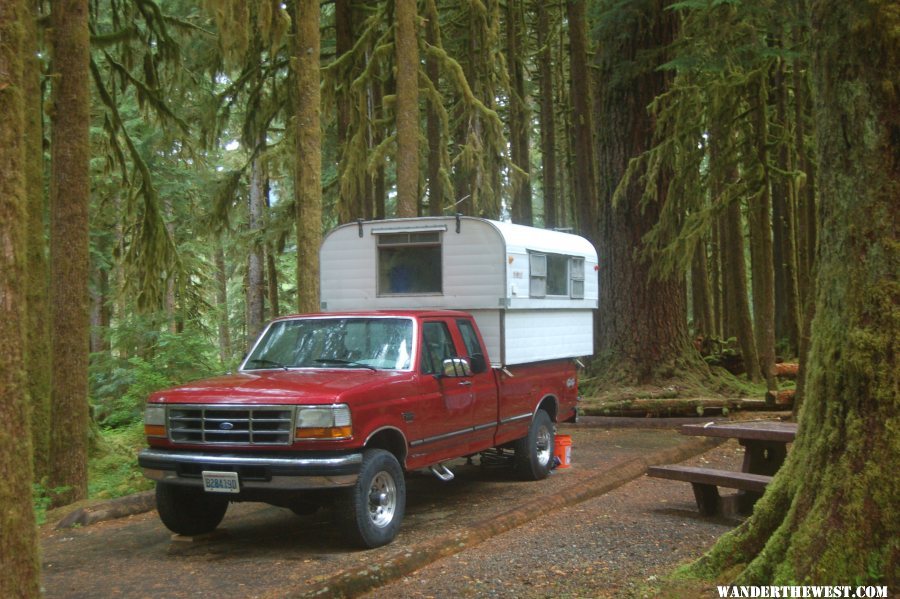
(226, 426)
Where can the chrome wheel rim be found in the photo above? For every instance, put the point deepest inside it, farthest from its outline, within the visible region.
(382, 499)
(544, 445)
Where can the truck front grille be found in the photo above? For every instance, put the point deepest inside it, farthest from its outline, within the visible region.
(231, 425)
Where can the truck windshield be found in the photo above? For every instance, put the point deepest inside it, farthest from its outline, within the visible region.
(379, 343)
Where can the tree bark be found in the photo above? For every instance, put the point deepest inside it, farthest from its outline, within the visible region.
(222, 306)
(435, 138)
(69, 265)
(700, 294)
(831, 514)
(787, 310)
(349, 208)
(736, 279)
(256, 286)
(761, 260)
(641, 337)
(308, 175)
(407, 108)
(519, 118)
(584, 193)
(38, 350)
(547, 118)
(19, 566)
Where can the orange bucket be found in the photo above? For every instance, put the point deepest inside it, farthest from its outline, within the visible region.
(562, 449)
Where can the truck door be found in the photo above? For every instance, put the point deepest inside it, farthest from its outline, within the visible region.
(443, 414)
(484, 386)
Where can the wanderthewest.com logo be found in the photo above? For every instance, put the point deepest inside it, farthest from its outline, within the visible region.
(780, 592)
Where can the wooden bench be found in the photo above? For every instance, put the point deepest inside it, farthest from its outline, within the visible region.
(706, 483)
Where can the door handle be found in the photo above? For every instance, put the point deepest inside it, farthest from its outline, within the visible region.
(465, 383)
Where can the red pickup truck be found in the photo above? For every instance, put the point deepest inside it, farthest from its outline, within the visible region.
(335, 408)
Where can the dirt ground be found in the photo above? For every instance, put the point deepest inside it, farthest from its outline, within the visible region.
(596, 548)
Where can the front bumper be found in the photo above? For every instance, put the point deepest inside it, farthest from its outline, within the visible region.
(256, 472)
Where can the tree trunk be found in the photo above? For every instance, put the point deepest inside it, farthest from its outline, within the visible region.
(349, 208)
(37, 361)
(700, 293)
(308, 175)
(548, 122)
(407, 108)
(761, 261)
(716, 278)
(435, 138)
(584, 194)
(19, 565)
(519, 118)
(831, 514)
(272, 282)
(641, 337)
(100, 314)
(736, 279)
(787, 310)
(256, 285)
(222, 306)
(69, 265)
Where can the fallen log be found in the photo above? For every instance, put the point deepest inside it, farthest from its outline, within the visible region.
(781, 399)
(787, 370)
(661, 408)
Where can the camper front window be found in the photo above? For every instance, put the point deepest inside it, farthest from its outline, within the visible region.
(409, 263)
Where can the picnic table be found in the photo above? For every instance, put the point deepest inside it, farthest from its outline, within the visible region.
(765, 448)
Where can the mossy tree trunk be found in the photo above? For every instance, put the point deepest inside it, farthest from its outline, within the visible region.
(831, 515)
(19, 566)
(70, 190)
(643, 333)
(38, 276)
(406, 107)
(308, 175)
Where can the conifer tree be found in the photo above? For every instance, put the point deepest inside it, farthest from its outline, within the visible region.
(830, 516)
(19, 567)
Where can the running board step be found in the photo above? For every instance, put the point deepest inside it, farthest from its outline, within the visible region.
(442, 472)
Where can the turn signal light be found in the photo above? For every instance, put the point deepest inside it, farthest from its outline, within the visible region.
(154, 430)
(331, 432)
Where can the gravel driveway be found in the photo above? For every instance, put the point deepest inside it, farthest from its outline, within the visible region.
(604, 547)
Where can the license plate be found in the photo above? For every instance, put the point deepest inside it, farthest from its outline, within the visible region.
(221, 482)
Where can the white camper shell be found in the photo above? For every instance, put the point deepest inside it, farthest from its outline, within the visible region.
(532, 291)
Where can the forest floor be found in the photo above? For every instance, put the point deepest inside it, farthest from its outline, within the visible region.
(619, 543)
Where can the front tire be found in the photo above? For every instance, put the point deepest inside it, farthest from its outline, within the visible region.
(534, 452)
(188, 511)
(373, 508)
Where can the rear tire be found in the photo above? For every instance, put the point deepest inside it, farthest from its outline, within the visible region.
(534, 452)
(373, 508)
(189, 511)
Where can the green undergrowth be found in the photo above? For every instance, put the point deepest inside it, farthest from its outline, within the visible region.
(113, 470)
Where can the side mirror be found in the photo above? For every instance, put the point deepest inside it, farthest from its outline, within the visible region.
(456, 367)
(479, 364)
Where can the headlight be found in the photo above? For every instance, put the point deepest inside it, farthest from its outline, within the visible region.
(323, 422)
(155, 420)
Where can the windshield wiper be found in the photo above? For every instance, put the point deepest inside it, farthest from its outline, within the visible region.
(345, 363)
(264, 361)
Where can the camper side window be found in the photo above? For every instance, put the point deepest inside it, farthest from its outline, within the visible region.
(549, 275)
(409, 263)
(576, 272)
